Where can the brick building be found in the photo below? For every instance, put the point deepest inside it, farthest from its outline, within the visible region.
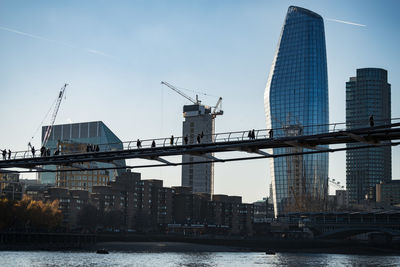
(132, 204)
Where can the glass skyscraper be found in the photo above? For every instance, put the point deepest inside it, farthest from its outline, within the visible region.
(367, 94)
(296, 103)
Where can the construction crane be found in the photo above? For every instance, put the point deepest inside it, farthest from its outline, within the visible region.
(53, 118)
(182, 93)
(216, 109)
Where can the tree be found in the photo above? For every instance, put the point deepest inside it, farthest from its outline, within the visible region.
(28, 213)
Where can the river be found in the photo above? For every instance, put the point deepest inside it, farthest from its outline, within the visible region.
(205, 259)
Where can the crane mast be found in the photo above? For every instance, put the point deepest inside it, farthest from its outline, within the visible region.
(53, 118)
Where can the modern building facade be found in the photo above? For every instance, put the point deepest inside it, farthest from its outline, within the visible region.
(75, 138)
(388, 193)
(198, 123)
(367, 94)
(296, 103)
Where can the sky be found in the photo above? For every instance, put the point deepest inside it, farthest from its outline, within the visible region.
(114, 54)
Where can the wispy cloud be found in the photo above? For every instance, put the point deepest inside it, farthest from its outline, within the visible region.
(347, 22)
(92, 51)
(97, 52)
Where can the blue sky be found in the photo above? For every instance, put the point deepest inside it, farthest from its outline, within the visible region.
(115, 53)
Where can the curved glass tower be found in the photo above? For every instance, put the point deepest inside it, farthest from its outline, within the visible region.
(296, 103)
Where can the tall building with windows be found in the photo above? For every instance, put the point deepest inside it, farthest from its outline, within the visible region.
(296, 103)
(367, 94)
(75, 138)
(198, 121)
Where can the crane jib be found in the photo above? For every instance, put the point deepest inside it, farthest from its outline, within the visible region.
(54, 116)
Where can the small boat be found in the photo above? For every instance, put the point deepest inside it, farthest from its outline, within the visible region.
(102, 251)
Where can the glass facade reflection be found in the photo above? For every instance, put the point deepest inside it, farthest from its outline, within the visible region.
(367, 94)
(296, 103)
(75, 137)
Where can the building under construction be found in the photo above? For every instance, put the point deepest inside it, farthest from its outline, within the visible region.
(198, 127)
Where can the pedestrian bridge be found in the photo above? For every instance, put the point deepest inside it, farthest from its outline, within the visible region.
(253, 146)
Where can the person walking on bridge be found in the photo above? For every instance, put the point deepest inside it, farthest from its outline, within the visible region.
(153, 144)
(42, 151)
(138, 144)
(271, 134)
(33, 150)
(171, 140)
(371, 121)
(9, 154)
(4, 154)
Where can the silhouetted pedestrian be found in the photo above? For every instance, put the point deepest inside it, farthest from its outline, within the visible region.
(186, 139)
(171, 140)
(202, 134)
(153, 144)
(271, 133)
(253, 134)
(198, 138)
(4, 154)
(33, 150)
(138, 144)
(42, 151)
(249, 135)
(9, 154)
(48, 152)
(371, 121)
(97, 148)
(57, 152)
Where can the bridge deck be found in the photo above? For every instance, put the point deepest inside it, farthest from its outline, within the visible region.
(367, 137)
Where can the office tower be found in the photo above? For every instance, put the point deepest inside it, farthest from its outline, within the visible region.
(198, 124)
(367, 94)
(75, 138)
(296, 103)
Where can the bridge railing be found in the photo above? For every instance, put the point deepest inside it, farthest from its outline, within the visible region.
(203, 138)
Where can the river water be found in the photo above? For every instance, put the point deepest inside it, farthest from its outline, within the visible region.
(42, 258)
